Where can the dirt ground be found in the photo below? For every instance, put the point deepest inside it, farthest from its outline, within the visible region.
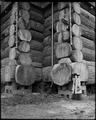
(42, 106)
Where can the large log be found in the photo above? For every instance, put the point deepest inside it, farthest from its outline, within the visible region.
(63, 50)
(25, 15)
(36, 16)
(37, 35)
(35, 45)
(83, 31)
(76, 56)
(25, 75)
(88, 54)
(25, 59)
(77, 43)
(87, 43)
(81, 69)
(24, 46)
(46, 73)
(36, 56)
(47, 61)
(61, 74)
(24, 34)
(12, 29)
(35, 26)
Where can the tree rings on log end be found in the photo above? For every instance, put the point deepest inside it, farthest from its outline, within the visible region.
(63, 50)
(61, 27)
(25, 75)
(76, 18)
(76, 56)
(25, 15)
(24, 35)
(25, 59)
(61, 74)
(77, 43)
(76, 7)
(76, 30)
(24, 46)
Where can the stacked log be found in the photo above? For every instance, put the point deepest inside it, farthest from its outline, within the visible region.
(85, 33)
(30, 36)
(8, 49)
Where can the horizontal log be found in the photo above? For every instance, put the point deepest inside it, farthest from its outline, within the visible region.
(47, 61)
(37, 65)
(7, 61)
(37, 35)
(38, 74)
(61, 74)
(63, 50)
(28, 76)
(89, 10)
(47, 51)
(24, 46)
(46, 71)
(5, 53)
(36, 26)
(5, 32)
(88, 54)
(35, 45)
(36, 16)
(87, 43)
(87, 22)
(83, 31)
(36, 56)
(76, 56)
(4, 42)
